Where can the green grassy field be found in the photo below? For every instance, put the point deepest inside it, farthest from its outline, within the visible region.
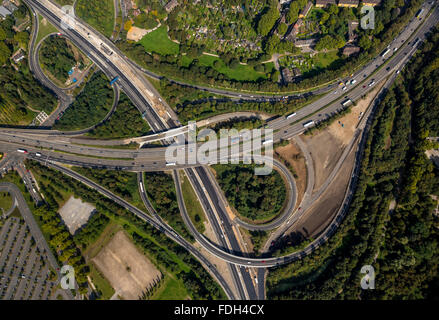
(65, 2)
(98, 14)
(159, 42)
(193, 205)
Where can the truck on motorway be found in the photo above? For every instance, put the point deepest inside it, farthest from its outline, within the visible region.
(308, 124)
(385, 52)
(38, 154)
(291, 115)
(22, 151)
(346, 102)
(106, 50)
(268, 142)
(419, 13)
(170, 164)
(141, 187)
(114, 80)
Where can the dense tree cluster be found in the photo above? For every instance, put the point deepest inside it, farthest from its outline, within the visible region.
(238, 124)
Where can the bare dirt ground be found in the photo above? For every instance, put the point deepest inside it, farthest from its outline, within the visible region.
(136, 33)
(324, 209)
(129, 272)
(327, 145)
(293, 155)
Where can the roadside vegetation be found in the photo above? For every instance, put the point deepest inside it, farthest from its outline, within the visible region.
(400, 241)
(125, 122)
(44, 28)
(90, 106)
(189, 278)
(240, 38)
(256, 198)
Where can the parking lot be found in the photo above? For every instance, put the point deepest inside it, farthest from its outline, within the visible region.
(24, 270)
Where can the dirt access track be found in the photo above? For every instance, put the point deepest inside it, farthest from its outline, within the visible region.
(326, 148)
(129, 272)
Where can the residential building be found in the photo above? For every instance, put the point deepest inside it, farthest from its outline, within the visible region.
(305, 43)
(291, 34)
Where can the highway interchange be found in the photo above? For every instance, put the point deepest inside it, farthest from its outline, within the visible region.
(151, 159)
